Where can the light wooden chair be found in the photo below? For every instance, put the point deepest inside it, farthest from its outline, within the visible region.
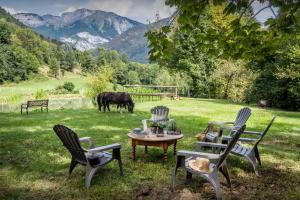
(217, 162)
(250, 153)
(240, 120)
(159, 114)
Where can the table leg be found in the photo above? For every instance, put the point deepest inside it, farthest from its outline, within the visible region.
(165, 147)
(146, 149)
(175, 143)
(133, 149)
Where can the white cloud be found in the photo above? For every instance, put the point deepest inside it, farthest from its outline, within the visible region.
(13, 11)
(140, 10)
(70, 9)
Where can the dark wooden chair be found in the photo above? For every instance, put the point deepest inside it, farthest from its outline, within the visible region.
(93, 158)
(35, 103)
(218, 161)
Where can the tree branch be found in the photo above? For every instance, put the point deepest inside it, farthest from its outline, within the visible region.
(273, 12)
(260, 11)
(244, 11)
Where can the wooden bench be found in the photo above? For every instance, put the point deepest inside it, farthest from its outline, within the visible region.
(35, 103)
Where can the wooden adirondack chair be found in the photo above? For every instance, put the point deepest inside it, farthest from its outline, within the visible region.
(159, 114)
(87, 157)
(240, 120)
(219, 164)
(251, 154)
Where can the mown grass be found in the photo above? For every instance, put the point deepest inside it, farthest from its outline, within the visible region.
(34, 163)
(26, 88)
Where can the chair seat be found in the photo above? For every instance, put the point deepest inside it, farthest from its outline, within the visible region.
(105, 158)
(211, 136)
(240, 149)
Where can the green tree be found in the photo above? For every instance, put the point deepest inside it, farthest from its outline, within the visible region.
(5, 34)
(98, 82)
(54, 66)
(88, 63)
(133, 78)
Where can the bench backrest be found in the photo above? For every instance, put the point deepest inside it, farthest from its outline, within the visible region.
(37, 103)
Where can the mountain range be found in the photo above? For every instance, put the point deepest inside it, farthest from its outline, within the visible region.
(89, 29)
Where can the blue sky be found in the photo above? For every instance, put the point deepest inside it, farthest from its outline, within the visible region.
(140, 10)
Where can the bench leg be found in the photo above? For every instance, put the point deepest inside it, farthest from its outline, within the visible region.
(41, 109)
(27, 111)
(21, 110)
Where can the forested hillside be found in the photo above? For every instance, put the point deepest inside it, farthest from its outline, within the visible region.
(23, 52)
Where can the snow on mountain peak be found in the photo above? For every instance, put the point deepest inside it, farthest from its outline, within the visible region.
(94, 39)
(84, 41)
(30, 19)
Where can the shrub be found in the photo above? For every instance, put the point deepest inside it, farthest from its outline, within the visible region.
(69, 86)
(40, 94)
(98, 82)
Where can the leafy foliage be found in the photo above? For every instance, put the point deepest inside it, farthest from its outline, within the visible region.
(227, 30)
(23, 52)
(69, 86)
(98, 82)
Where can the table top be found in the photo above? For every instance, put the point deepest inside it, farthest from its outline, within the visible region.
(153, 138)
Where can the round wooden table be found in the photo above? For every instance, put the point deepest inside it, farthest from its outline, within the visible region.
(153, 140)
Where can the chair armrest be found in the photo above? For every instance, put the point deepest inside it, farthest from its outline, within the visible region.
(220, 123)
(227, 138)
(87, 139)
(210, 156)
(210, 144)
(104, 148)
(252, 133)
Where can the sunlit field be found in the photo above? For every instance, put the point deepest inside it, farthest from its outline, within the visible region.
(34, 163)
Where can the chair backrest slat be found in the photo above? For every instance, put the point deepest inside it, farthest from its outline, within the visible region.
(264, 132)
(230, 145)
(242, 117)
(160, 113)
(70, 140)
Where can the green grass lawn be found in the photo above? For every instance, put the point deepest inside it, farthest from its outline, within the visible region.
(30, 87)
(34, 163)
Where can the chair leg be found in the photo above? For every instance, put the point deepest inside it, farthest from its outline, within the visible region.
(257, 155)
(225, 173)
(179, 163)
(188, 175)
(72, 166)
(117, 155)
(251, 157)
(213, 179)
(89, 173)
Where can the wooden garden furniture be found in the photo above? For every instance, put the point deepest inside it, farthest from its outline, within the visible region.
(35, 103)
(250, 153)
(159, 114)
(240, 120)
(217, 162)
(153, 140)
(93, 158)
